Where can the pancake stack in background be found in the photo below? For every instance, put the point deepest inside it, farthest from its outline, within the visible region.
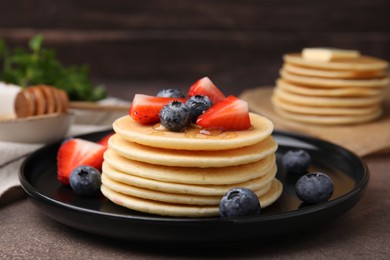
(330, 87)
(155, 171)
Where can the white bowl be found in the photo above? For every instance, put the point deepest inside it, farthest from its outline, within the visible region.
(36, 129)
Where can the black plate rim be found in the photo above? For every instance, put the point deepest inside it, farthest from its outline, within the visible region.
(358, 188)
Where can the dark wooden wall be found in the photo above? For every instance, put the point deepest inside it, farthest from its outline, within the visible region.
(238, 44)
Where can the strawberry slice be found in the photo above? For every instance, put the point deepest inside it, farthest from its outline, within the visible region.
(230, 114)
(205, 87)
(75, 152)
(104, 140)
(145, 109)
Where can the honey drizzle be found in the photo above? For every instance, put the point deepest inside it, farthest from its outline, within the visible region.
(195, 132)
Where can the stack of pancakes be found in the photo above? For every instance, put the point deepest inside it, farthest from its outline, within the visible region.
(155, 171)
(330, 92)
(40, 100)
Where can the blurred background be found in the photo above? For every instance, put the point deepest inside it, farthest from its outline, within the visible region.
(143, 46)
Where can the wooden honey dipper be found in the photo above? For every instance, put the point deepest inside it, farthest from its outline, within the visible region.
(41, 100)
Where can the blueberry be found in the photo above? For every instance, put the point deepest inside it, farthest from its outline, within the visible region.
(175, 116)
(198, 104)
(313, 188)
(171, 92)
(239, 202)
(296, 162)
(85, 181)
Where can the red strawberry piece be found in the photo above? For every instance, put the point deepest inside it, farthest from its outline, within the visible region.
(104, 140)
(145, 109)
(230, 114)
(75, 152)
(205, 87)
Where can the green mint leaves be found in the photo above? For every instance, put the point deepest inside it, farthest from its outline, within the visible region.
(38, 65)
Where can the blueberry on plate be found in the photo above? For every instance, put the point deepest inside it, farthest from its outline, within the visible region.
(198, 104)
(175, 116)
(85, 181)
(239, 202)
(296, 161)
(314, 187)
(171, 92)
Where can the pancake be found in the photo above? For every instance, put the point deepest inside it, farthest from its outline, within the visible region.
(328, 120)
(363, 63)
(276, 101)
(150, 169)
(322, 82)
(193, 139)
(327, 101)
(333, 74)
(328, 86)
(191, 175)
(187, 158)
(163, 196)
(181, 210)
(182, 188)
(316, 91)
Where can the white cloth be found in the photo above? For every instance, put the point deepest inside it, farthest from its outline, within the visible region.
(13, 154)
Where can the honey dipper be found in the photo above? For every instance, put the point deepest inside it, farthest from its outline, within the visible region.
(43, 99)
(40, 100)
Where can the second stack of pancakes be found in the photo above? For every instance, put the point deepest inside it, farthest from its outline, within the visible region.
(333, 92)
(186, 174)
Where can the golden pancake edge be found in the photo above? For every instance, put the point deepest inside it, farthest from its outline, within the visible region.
(363, 63)
(177, 198)
(326, 82)
(187, 188)
(181, 210)
(334, 74)
(190, 175)
(192, 158)
(328, 92)
(193, 138)
(327, 110)
(330, 101)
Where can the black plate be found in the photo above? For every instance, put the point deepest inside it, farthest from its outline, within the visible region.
(100, 216)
